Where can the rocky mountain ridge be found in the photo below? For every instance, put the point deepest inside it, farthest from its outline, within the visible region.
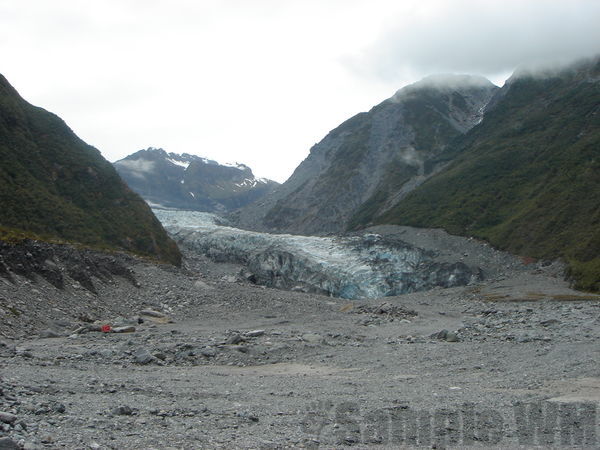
(526, 178)
(516, 166)
(385, 152)
(185, 181)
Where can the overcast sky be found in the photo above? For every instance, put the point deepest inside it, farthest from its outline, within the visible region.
(261, 81)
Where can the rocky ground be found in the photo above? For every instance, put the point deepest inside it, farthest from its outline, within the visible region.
(199, 358)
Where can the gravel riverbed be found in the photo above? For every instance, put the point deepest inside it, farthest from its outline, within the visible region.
(205, 359)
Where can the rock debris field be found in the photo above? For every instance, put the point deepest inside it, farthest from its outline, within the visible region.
(154, 357)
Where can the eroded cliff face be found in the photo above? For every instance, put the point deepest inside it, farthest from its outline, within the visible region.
(354, 267)
(370, 161)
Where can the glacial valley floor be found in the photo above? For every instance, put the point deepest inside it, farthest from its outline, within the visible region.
(511, 362)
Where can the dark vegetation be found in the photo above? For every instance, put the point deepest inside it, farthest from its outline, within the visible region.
(527, 179)
(54, 185)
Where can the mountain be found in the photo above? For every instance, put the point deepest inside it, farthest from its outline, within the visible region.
(53, 185)
(527, 178)
(191, 182)
(372, 160)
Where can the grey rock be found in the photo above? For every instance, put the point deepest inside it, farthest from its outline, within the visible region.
(199, 284)
(255, 333)
(11, 348)
(441, 335)
(62, 323)
(105, 353)
(152, 313)
(312, 338)
(122, 322)
(44, 334)
(59, 408)
(143, 356)
(247, 416)
(124, 329)
(185, 354)
(48, 439)
(123, 410)
(86, 318)
(235, 339)
(7, 443)
(160, 355)
(452, 337)
(208, 352)
(7, 417)
(229, 278)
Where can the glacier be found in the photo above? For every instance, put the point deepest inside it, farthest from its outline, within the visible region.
(354, 267)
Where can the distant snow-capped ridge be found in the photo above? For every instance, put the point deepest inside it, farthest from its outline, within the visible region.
(191, 182)
(178, 159)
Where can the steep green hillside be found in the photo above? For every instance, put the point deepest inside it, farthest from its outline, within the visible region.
(53, 184)
(527, 179)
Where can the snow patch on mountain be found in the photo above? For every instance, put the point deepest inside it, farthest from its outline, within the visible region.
(183, 164)
(191, 182)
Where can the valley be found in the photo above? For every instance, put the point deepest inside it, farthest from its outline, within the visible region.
(426, 278)
(209, 359)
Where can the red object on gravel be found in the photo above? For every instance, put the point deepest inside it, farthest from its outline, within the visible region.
(106, 328)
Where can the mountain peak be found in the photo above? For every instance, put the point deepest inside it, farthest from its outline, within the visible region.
(557, 68)
(454, 81)
(446, 82)
(192, 182)
(396, 145)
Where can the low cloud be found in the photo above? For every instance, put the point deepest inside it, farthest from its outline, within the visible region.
(481, 37)
(138, 167)
(410, 156)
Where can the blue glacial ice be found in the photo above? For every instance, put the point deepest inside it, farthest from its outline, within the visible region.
(353, 267)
